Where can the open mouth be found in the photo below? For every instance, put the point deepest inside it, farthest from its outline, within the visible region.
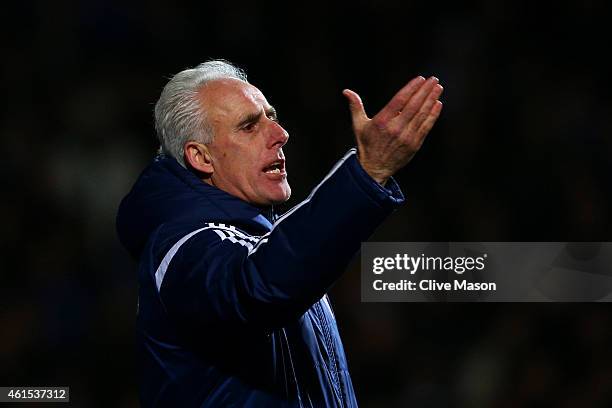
(276, 167)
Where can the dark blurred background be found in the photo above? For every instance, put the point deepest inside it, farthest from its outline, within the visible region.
(520, 153)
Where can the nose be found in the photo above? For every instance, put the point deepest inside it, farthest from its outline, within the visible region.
(277, 135)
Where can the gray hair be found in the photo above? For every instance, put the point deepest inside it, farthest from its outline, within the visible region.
(179, 116)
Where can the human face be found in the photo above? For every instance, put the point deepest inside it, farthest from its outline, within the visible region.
(247, 148)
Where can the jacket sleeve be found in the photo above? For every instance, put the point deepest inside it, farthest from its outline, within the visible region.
(277, 278)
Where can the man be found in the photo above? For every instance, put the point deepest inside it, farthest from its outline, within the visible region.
(232, 303)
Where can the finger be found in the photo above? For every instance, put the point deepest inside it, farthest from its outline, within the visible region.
(397, 103)
(415, 103)
(423, 113)
(430, 121)
(358, 113)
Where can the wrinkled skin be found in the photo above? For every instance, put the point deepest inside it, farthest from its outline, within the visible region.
(389, 140)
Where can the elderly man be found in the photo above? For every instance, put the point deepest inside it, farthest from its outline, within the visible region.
(233, 308)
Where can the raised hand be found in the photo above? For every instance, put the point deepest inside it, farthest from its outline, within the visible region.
(388, 141)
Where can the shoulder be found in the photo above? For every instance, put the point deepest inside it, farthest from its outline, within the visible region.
(208, 244)
(202, 236)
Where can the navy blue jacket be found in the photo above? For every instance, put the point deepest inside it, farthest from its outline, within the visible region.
(232, 308)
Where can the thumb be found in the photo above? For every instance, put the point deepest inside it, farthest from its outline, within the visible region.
(356, 106)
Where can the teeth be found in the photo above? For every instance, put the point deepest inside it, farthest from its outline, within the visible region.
(276, 170)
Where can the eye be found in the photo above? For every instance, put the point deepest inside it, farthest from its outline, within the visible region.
(249, 127)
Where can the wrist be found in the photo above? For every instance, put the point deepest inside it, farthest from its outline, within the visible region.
(380, 180)
(379, 176)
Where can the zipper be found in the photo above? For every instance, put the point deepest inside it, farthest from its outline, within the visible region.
(332, 353)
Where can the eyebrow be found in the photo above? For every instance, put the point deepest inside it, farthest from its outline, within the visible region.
(254, 116)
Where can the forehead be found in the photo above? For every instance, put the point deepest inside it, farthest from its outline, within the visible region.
(230, 98)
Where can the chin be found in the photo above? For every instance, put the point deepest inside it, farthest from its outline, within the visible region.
(281, 195)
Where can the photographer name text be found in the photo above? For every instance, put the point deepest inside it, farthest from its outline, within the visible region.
(415, 264)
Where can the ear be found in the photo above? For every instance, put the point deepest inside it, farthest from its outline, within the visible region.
(198, 157)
